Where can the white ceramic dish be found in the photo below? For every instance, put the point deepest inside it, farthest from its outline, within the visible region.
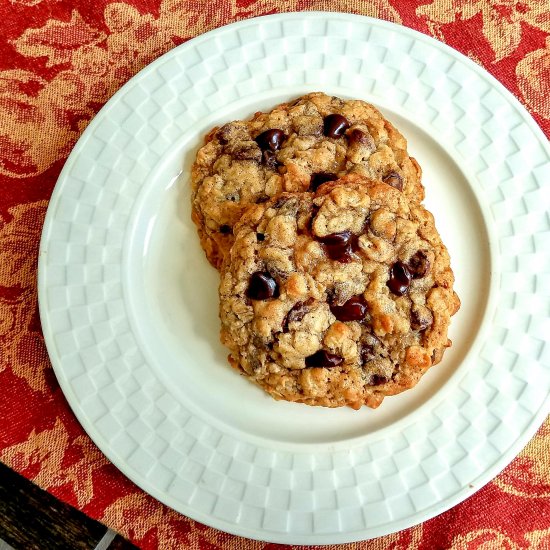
(129, 304)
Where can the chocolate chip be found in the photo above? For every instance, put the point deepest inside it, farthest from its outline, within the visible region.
(225, 229)
(296, 313)
(368, 348)
(245, 151)
(336, 239)
(224, 133)
(367, 353)
(323, 358)
(353, 310)
(419, 265)
(376, 380)
(271, 140)
(262, 286)
(221, 138)
(421, 318)
(359, 137)
(394, 179)
(260, 237)
(338, 246)
(400, 279)
(335, 125)
(319, 178)
(269, 158)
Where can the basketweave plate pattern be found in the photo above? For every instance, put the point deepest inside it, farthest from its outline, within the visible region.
(359, 486)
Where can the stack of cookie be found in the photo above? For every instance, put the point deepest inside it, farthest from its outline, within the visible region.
(335, 286)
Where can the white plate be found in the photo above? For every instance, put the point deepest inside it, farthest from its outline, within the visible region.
(129, 304)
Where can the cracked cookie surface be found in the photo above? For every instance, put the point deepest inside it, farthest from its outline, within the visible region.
(295, 147)
(338, 297)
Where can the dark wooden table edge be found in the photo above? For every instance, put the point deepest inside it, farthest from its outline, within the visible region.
(31, 518)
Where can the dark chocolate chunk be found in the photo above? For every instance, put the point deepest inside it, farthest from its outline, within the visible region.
(367, 353)
(419, 265)
(323, 358)
(364, 139)
(335, 126)
(394, 179)
(225, 229)
(262, 286)
(269, 158)
(376, 380)
(353, 310)
(296, 313)
(338, 246)
(421, 318)
(245, 151)
(400, 279)
(225, 133)
(271, 140)
(319, 178)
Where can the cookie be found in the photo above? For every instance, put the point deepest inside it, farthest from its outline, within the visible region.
(295, 147)
(337, 297)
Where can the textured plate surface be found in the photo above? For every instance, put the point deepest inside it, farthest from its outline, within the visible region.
(129, 304)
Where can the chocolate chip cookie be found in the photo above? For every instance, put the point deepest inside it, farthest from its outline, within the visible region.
(340, 296)
(295, 147)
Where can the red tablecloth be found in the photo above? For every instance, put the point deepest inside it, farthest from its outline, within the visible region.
(60, 61)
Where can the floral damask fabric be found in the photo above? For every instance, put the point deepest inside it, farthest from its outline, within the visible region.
(60, 61)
